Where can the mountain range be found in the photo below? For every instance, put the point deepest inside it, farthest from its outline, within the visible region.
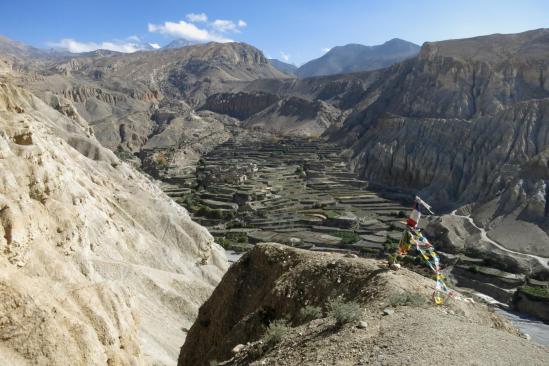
(356, 57)
(352, 58)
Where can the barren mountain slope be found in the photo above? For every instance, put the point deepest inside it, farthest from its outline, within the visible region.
(273, 282)
(98, 266)
(119, 94)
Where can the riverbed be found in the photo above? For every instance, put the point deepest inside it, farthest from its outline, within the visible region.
(535, 328)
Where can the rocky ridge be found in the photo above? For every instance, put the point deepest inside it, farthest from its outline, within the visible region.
(231, 324)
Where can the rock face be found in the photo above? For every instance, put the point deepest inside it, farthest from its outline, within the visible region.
(356, 57)
(464, 122)
(98, 266)
(290, 116)
(295, 116)
(273, 282)
(240, 105)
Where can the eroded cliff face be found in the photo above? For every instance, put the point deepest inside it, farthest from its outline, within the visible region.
(240, 105)
(98, 266)
(461, 124)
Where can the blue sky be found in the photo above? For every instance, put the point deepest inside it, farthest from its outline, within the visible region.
(293, 30)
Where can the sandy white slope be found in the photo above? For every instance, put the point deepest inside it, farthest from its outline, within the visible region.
(97, 265)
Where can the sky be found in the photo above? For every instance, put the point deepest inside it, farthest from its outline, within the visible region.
(294, 31)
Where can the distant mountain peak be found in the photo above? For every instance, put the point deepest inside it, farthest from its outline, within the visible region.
(285, 67)
(179, 43)
(355, 57)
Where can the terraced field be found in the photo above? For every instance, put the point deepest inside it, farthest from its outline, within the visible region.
(294, 191)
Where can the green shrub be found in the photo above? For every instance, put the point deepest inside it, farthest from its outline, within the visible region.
(344, 312)
(407, 298)
(331, 214)
(275, 332)
(390, 246)
(239, 237)
(224, 242)
(474, 269)
(347, 237)
(536, 291)
(309, 313)
(234, 224)
(214, 213)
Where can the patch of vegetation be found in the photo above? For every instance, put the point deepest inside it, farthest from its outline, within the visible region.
(239, 247)
(347, 237)
(211, 213)
(224, 242)
(370, 252)
(309, 313)
(344, 312)
(214, 363)
(234, 224)
(390, 246)
(188, 200)
(536, 291)
(275, 333)
(407, 298)
(239, 237)
(474, 269)
(160, 159)
(331, 214)
(123, 154)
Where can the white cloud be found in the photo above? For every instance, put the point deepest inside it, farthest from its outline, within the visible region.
(189, 31)
(222, 25)
(324, 50)
(134, 38)
(154, 45)
(206, 32)
(74, 46)
(285, 57)
(197, 18)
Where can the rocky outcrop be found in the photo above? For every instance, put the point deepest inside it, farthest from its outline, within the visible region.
(294, 116)
(80, 95)
(343, 91)
(240, 105)
(273, 282)
(98, 265)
